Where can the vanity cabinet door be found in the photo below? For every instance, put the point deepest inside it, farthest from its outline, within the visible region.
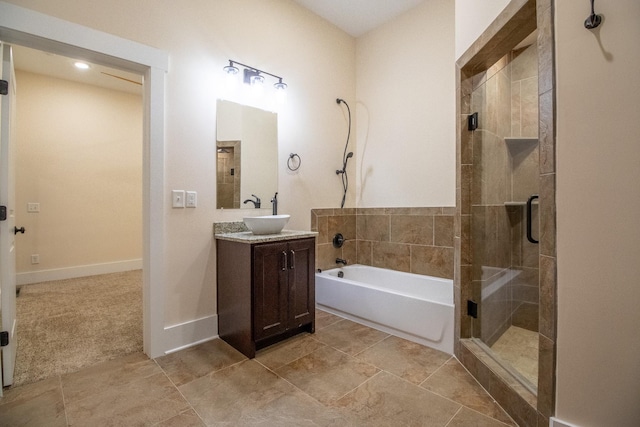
(302, 292)
(270, 289)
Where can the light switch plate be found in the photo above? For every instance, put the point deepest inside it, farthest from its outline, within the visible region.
(192, 199)
(177, 198)
(33, 207)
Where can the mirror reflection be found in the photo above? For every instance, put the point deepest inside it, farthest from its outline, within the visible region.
(247, 155)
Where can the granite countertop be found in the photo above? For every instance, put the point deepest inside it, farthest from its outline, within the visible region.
(238, 232)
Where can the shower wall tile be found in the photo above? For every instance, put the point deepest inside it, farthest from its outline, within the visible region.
(547, 134)
(322, 227)
(465, 188)
(548, 277)
(546, 72)
(343, 224)
(350, 251)
(414, 229)
(432, 261)
(525, 316)
(418, 240)
(373, 227)
(515, 109)
(503, 99)
(364, 252)
(442, 226)
(529, 107)
(546, 369)
(490, 180)
(393, 256)
(547, 215)
(524, 169)
(524, 63)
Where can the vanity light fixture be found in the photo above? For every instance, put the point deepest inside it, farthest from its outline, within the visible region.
(253, 76)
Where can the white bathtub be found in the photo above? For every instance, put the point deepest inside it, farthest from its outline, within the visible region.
(412, 306)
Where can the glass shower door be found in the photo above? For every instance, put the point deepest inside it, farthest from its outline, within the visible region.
(504, 227)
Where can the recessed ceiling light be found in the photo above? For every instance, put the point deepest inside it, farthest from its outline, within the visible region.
(82, 65)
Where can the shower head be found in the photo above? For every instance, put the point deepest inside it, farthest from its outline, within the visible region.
(350, 154)
(339, 100)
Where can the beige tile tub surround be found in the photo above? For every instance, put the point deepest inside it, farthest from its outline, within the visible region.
(414, 240)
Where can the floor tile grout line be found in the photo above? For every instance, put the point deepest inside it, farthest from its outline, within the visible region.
(181, 394)
(292, 384)
(361, 384)
(454, 415)
(463, 405)
(439, 367)
(64, 401)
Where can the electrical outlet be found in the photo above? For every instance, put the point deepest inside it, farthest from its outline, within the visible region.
(192, 199)
(35, 259)
(177, 198)
(33, 207)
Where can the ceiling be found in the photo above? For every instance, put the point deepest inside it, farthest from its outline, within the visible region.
(357, 17)
(49, 64)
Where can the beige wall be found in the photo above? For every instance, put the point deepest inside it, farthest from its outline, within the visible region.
(79, 155)
(472, 18)
(598, 201)
(406, 110)
(317, 61)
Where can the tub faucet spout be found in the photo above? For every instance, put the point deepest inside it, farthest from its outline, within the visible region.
(341, 261)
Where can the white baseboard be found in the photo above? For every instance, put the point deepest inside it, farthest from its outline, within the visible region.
(78, 271)
(189, 334)
(554, 422)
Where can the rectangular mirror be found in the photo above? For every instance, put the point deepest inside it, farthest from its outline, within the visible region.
(247, 155)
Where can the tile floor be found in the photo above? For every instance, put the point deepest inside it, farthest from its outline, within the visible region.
(345, 374)
(519, 348)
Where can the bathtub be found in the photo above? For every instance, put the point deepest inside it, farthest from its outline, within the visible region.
(412, 306)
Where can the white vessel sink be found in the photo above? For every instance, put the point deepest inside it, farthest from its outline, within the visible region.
(267, 224)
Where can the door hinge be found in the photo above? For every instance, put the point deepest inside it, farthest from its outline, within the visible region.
(4, 87)
(472, 309)
(4, 338)
(3, 213)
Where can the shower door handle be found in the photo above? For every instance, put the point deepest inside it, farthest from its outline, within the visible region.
(529, 215)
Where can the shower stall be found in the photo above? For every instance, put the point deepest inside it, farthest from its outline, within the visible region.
(504, 212)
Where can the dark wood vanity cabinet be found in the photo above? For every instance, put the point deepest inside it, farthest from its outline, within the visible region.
(266, 292)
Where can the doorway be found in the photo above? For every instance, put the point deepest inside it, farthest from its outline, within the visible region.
(79, 169)
(38, 31)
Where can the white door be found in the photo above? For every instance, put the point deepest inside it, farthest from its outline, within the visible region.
(7, 227)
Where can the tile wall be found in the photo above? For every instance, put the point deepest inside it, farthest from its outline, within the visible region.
(519, 18)
(414, 240)
(504, 173)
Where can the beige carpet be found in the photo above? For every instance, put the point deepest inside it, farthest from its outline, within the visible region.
(69, 324)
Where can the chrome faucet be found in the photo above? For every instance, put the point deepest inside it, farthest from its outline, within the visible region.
(256, 202)
(341, 261)
(275, 204)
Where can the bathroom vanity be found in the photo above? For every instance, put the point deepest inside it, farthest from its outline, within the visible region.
(266, 287)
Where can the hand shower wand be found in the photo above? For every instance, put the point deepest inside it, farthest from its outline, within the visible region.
(345, 157)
